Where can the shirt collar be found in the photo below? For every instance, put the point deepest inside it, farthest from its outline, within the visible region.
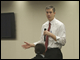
(52, 21)
(42, 55)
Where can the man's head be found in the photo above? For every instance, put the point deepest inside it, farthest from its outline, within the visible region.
(39, 48)
(50, 12)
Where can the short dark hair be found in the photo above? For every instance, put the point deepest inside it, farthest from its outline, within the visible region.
(50, 7)
(39, 48)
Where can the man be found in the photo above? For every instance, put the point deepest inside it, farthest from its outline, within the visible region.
(55, 36)
(39, 50)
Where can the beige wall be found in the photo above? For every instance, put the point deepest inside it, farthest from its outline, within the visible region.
(29, 17)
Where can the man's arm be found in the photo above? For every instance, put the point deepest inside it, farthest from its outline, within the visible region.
(50, 34)
(27, 45)
(60, 38)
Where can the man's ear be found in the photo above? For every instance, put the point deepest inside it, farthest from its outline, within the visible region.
(54, 13)
(34, 50)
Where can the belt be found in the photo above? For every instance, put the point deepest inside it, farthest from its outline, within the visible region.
(52, 48)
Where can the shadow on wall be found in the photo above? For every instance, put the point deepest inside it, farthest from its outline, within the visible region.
(6, 3)
(44, 2)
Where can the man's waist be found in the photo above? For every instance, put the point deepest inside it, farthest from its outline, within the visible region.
(53, 48)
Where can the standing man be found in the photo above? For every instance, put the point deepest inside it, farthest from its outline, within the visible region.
(54, 34)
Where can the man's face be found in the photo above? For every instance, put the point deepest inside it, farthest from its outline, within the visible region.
(50, 14)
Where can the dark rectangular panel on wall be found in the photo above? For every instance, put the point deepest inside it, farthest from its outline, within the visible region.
(8, 29)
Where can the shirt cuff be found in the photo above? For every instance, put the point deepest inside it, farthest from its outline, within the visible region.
(57, 38)
(35, 43)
